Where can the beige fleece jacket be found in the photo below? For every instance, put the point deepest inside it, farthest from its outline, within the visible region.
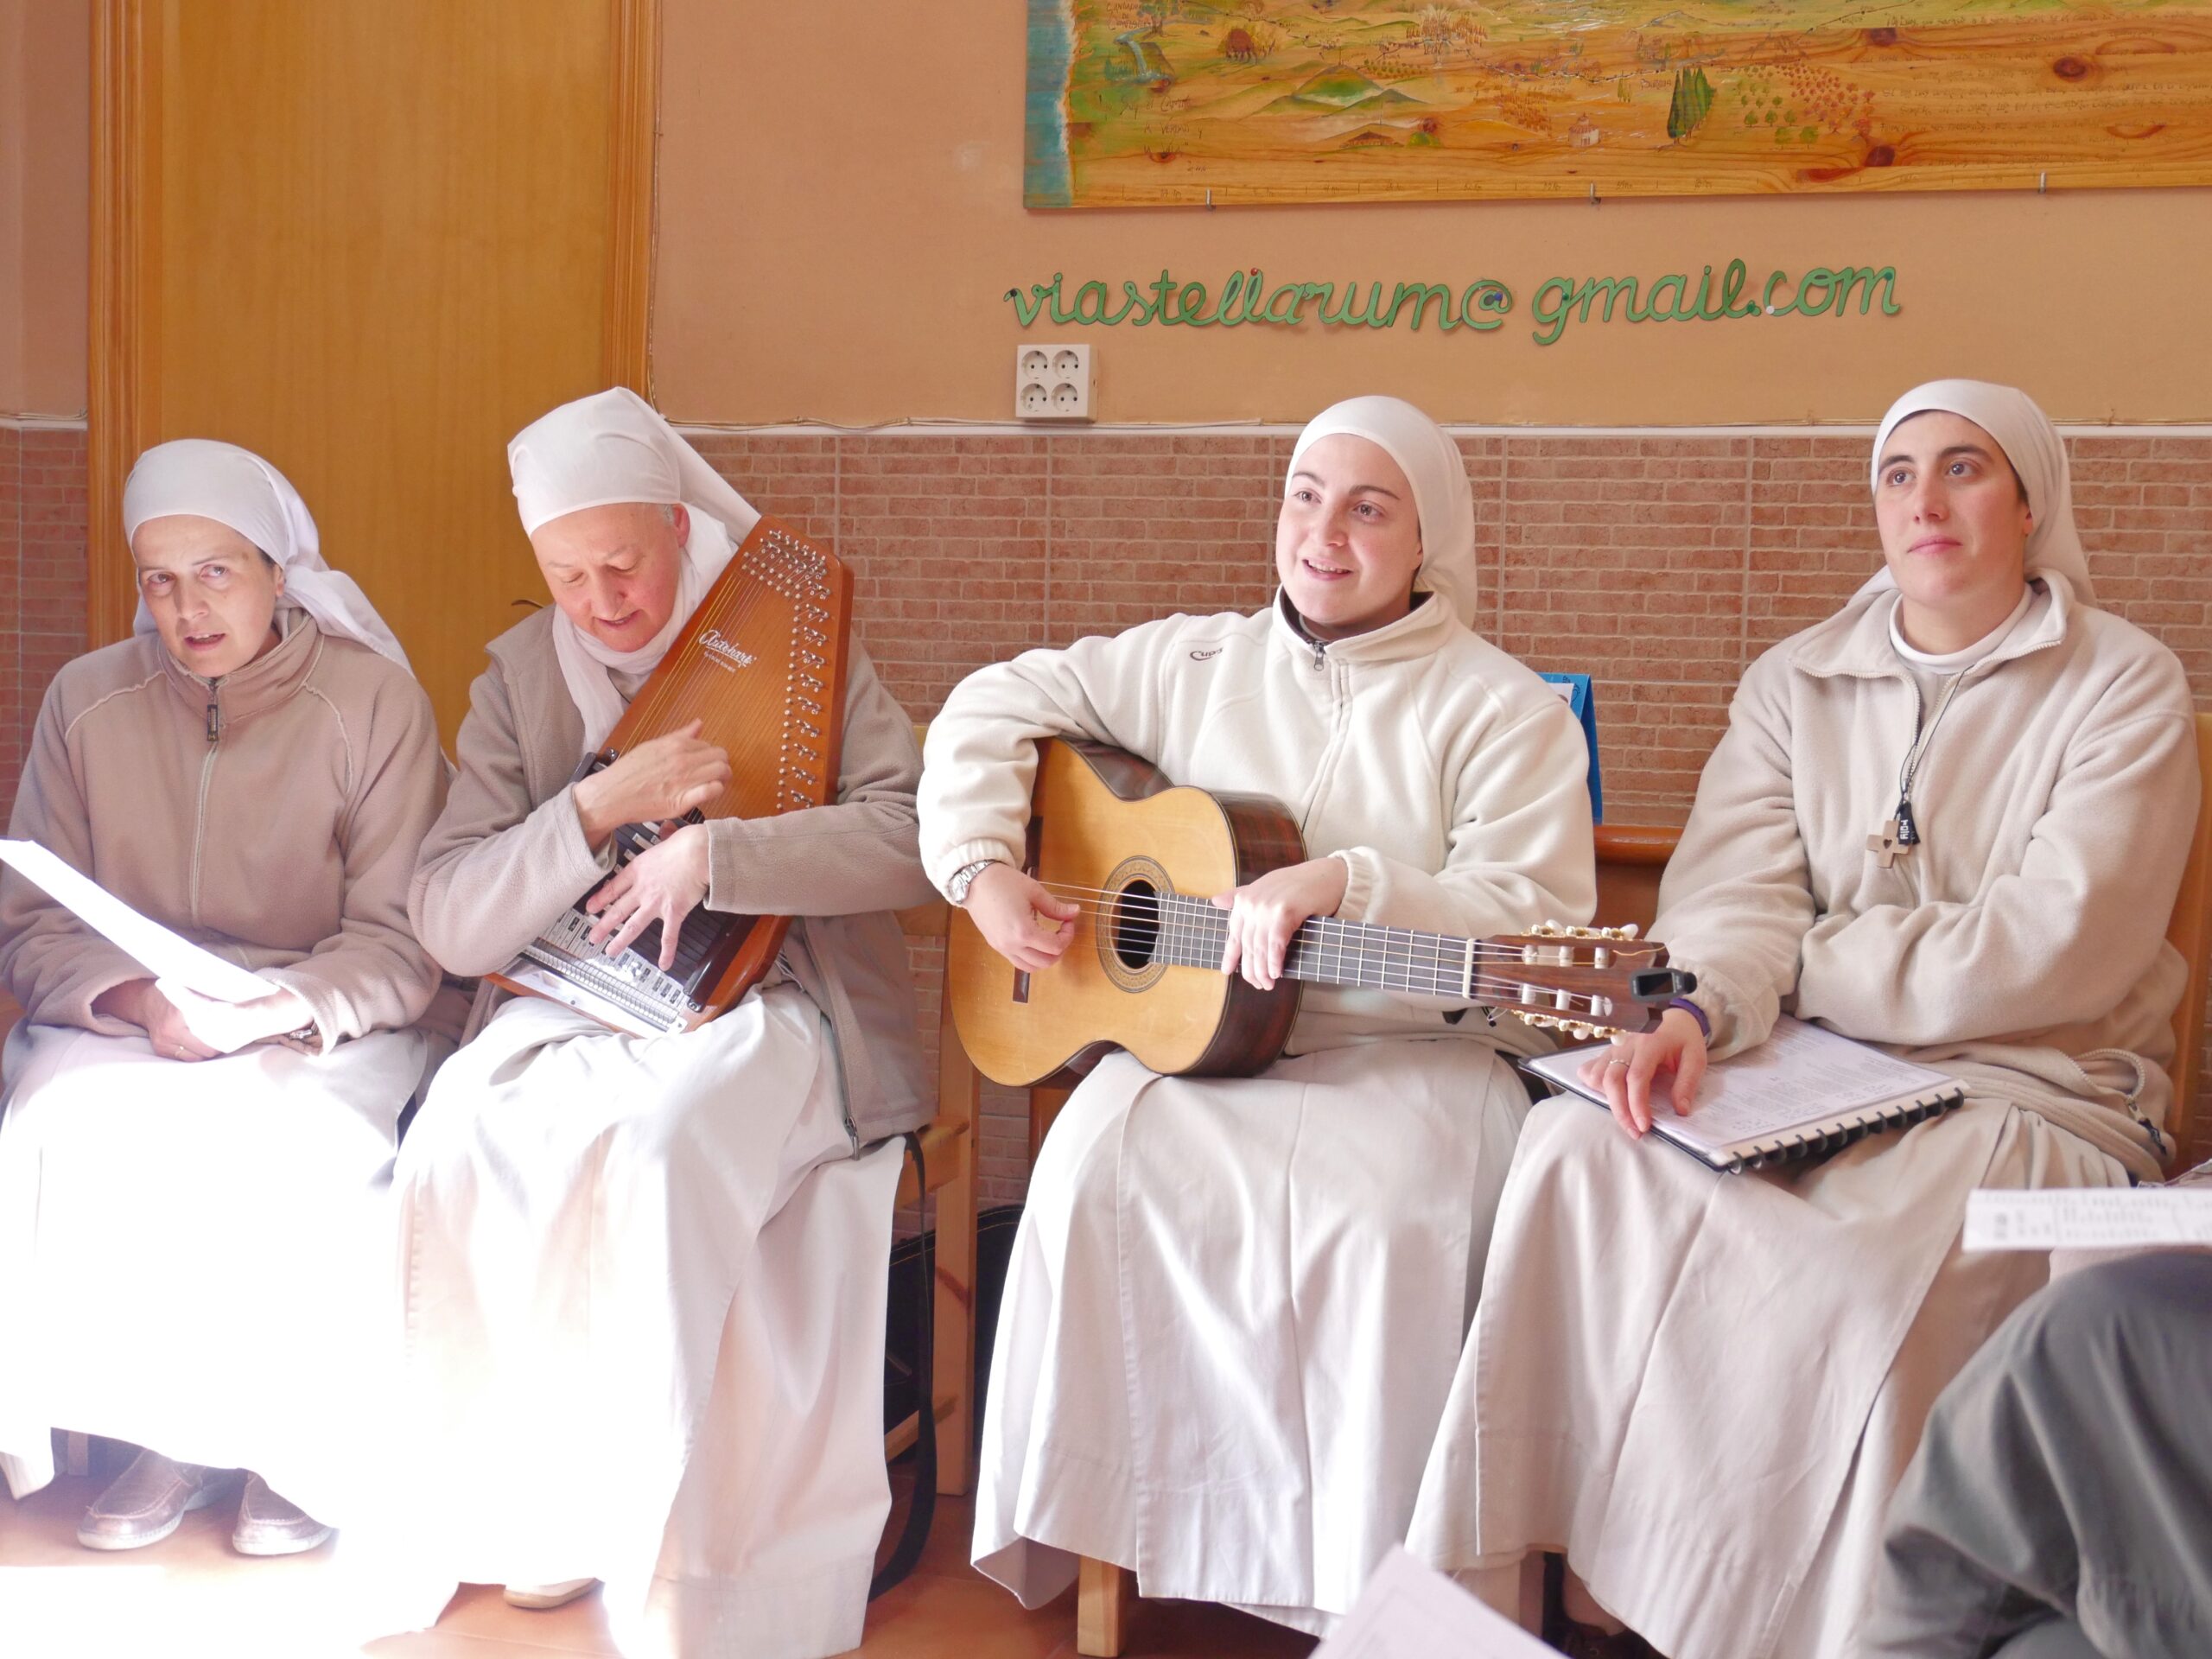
(271, 815)
(1450, 778)
(2021, 945)
(508, 856)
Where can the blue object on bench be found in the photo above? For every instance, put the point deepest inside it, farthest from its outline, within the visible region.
(1582, 703)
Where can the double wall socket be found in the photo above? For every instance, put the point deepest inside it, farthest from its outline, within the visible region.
(1052, 383)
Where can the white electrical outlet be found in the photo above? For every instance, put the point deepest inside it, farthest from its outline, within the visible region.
(1052, 383)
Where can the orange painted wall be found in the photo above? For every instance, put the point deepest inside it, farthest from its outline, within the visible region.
(841, 217)
(45, 162)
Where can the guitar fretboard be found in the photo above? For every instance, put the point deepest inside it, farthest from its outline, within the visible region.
(1328, 951)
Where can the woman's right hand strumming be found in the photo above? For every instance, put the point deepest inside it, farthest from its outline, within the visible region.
(661, 779)
(1020, 918)
(1624, 1072)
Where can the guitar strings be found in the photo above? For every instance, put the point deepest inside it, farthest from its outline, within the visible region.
(1195, 938)
(1189, 932)
(1098, 901)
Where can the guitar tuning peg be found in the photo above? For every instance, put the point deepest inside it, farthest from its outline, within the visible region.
(1546, 929)
(1630, 930)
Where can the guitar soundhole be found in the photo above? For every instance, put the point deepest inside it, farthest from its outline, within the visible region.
(1129, 938)
(1137, 926)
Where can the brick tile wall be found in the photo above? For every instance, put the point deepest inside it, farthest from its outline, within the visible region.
(11, 526)
(1661, 565)
(42, 519)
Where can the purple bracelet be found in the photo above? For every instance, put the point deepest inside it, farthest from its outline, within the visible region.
(1695, 1013)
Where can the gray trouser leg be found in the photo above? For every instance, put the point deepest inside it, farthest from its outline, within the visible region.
(2067, 1471)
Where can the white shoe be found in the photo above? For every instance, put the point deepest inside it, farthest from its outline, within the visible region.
(539, 1598)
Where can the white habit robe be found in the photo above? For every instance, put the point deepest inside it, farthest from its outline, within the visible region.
(1231, 1319)
(215, 1294)
(644, 1286)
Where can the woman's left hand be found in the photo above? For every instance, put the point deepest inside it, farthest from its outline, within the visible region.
(227, 1028)
(662, 884)
(1264, 916)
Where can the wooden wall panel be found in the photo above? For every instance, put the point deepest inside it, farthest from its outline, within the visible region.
(369, 239)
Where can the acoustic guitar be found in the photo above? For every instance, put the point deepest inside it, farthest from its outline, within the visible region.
(1142, 857)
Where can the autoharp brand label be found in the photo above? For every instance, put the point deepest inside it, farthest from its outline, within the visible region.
(723, 652)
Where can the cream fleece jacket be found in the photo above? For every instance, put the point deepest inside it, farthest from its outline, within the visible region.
(272, 816)
(1449, 777)
(2022, 944)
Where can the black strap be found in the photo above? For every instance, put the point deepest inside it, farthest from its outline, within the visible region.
(922, 1506)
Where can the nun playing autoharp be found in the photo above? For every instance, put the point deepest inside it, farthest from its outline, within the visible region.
(645, 1276)
(1235, 1305)
(1949, 821)
(192, 1194)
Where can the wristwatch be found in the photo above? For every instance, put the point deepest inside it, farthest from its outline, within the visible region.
(964, 878)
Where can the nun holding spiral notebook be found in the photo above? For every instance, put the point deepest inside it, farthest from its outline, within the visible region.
(1948, 821)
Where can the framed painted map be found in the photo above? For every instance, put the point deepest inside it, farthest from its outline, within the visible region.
(1142, 102)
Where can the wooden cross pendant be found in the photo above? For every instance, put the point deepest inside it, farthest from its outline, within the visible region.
(1885, 846)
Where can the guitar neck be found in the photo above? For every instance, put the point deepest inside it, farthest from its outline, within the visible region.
(1328, 951)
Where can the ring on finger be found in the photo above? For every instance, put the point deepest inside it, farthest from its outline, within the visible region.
(1612, 1065)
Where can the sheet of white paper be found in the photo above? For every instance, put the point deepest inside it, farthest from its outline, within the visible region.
(1410, 1611)
(162, 953)
(1802, 1074)
(2093, 1218)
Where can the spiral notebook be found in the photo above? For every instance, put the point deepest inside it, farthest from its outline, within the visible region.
(1802, 1092)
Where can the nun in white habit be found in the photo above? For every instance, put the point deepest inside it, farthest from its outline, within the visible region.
(192, 1194)
(1704, 1388)
(644, 1278)
(1234, 1306)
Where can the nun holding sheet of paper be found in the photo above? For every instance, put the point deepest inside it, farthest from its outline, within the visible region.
(193, 1234)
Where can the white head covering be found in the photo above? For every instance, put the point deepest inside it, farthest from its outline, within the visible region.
(611, 447)
(2031, 443)
(1442, 496)
(237, 487)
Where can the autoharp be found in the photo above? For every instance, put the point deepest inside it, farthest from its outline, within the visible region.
(1142, 858)
(761, 663)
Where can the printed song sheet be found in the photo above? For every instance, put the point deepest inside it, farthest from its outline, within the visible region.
(165, 955)
(1802, 1074)
(2095, 1217)
(1410, 1611)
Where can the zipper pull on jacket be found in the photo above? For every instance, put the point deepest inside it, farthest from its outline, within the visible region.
(214, 714)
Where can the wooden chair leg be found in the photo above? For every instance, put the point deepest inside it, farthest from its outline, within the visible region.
(953, 1339)
(1104, 1597)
